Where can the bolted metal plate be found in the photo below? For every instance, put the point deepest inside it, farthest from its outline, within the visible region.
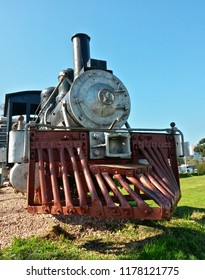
(99, 99)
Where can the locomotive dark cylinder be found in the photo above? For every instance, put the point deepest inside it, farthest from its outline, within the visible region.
(81, 52)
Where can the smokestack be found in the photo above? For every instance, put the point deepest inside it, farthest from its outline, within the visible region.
(81, 52)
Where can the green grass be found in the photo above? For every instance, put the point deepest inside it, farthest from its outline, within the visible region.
(181, 238)
(193, 191)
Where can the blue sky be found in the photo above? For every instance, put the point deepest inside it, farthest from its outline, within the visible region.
(156, 47)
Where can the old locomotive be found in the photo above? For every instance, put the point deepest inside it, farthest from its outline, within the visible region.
(80, 155)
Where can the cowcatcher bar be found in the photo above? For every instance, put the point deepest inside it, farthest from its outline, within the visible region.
(145, 186)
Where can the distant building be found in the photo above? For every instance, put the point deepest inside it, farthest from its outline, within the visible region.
(186, 149)
(189, 151)
(197, 156)
(191, 148)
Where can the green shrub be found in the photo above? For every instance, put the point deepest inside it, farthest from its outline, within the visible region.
(201, 168)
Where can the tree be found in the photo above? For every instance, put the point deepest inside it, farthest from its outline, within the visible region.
(200, 147)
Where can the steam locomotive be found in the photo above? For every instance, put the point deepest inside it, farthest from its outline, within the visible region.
(79, 155)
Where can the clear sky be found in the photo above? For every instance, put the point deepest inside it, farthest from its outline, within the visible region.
(156, 47)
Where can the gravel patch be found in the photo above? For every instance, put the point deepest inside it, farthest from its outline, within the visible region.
(15, 221)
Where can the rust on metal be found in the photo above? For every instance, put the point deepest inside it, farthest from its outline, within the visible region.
(71, 182)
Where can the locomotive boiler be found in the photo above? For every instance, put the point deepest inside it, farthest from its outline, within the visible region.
(80, 155)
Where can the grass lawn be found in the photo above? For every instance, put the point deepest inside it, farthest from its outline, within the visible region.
(193, 192)
(183, 237)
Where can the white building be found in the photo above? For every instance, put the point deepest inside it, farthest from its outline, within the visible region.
(186, 149)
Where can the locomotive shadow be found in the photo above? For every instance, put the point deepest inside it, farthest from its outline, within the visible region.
(170, 238)
(116, 224)
(99, 224)
(190, 213)
(170, 243)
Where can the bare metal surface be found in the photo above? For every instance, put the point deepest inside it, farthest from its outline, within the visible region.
(97, 98)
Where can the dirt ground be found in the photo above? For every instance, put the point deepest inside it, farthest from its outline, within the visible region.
(16, 222)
